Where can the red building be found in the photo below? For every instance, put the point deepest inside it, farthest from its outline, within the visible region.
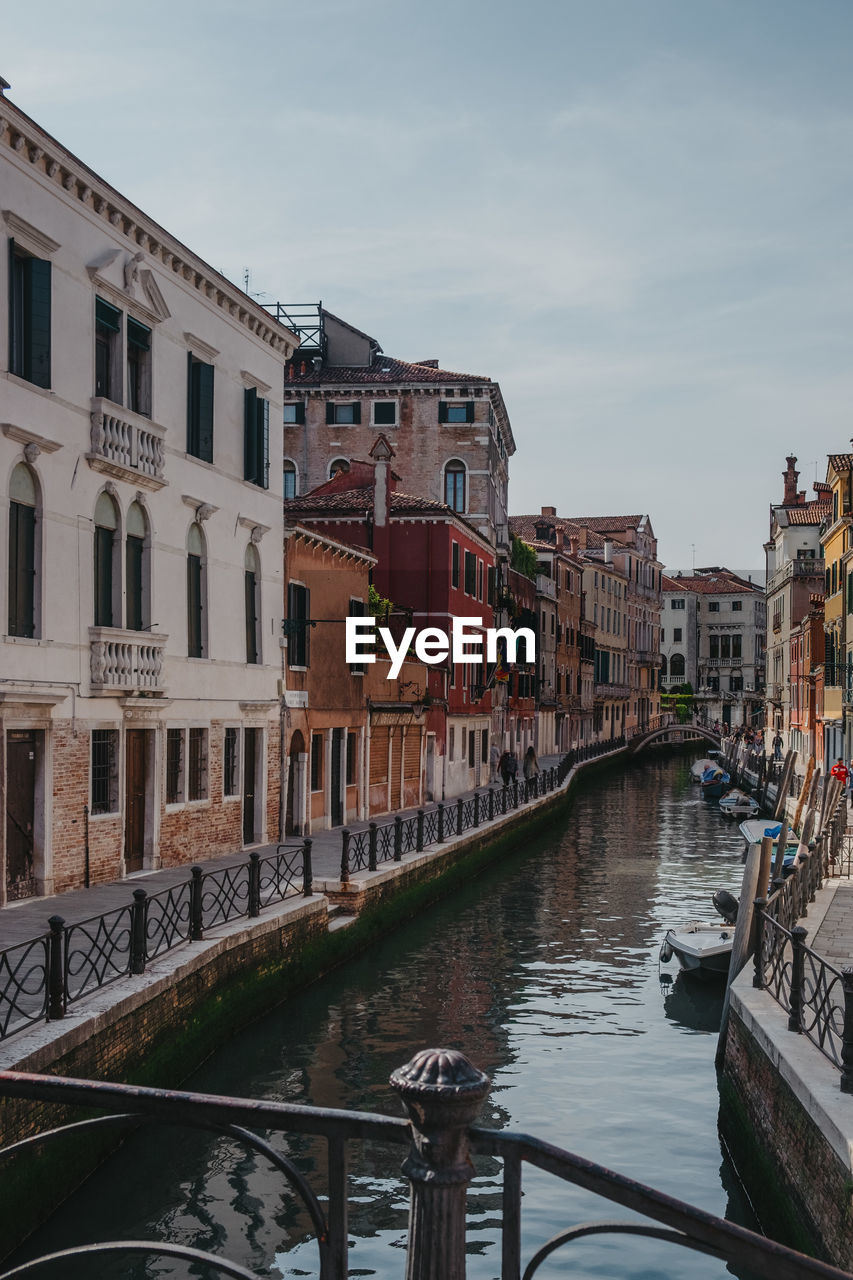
(434, 566)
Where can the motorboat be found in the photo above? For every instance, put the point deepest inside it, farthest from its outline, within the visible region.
(754, 830)
(703, 948)
(737, 804)
(700, 767)
(714, 782)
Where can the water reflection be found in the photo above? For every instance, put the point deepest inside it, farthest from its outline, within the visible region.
(545, 972)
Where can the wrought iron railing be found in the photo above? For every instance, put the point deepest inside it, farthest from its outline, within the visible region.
(817, 996)
(39, 979)
(441, 1091)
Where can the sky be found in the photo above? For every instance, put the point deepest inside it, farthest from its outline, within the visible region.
(635, 215)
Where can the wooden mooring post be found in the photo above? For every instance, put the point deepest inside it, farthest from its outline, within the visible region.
(757, 857)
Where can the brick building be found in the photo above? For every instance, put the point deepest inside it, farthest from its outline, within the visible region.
(140, 536)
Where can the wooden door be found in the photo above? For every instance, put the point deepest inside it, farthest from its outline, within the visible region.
(249, 769)
(20, 814)
(134, 810)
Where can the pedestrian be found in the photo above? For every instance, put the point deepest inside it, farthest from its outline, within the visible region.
(531, 764)
(494, 759)
(511, 766)
(839, 770)
(777, 746)
(504, 767)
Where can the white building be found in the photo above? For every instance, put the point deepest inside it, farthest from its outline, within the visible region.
(140, 536)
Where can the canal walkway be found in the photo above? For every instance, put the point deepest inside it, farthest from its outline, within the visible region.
(25, 920)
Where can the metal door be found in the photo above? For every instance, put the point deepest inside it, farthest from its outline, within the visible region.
(20, 814)
(134, 810)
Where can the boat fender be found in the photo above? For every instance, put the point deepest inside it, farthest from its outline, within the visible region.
(665, 952)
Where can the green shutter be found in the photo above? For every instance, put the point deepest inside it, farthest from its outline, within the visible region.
(37, 359)
(263, 444)
(300, 412)
(356, 413)
(194, 645)
(192, 400)
(133, 551)
(442, 410)
(469, 411)
(250, 434)
(251, 619)
(108, 316)
(22, 542)
(138, 335)
(330, 413)
(205, 411)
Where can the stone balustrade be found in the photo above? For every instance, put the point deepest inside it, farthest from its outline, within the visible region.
(126, 660)
(127, 445)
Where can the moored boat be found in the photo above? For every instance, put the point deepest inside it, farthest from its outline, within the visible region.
(737, 804)
(714, 782)
(703, 948)
(699, 767)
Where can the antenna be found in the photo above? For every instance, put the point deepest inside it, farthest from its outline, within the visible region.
(693, 549)
(246, 277)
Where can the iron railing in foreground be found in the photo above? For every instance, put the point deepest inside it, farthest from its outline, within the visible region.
(40, 978)
(441, 1092)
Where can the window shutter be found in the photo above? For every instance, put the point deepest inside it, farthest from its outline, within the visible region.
(356, 413)
(21, 570)
(469, 411)
(103, 577)
(194, 645)
(251, 619)
(250, 434)
(133, 552)
(330, 413)
(306, 629)
(108, 316)
(192, 401)
(300, 412)
(15, 334)
(264, 444)
(442, 410)
(205, 411)
(38, 337)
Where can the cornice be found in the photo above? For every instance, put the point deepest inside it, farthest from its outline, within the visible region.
(29, 236)
(27, 142)
(201, 347)
(24, 436)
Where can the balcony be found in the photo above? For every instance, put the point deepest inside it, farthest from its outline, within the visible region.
(724, 662)
(804, 568)
(127, 445)
(545, 586)
(126, 661)
(647, 657)
(604, 691)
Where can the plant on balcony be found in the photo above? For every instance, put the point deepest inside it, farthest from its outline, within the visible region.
(523, 558)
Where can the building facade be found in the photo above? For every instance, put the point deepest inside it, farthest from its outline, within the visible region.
(140, 532)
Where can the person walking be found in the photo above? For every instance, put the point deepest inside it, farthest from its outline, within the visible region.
(777, 746)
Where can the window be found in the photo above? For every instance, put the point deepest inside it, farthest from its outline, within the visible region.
(472, 747)
(470, 574)
(294, 412)
(104, 771)
(138, 367)
(343, 415)
(22, 552)
(714, 651)
(174, 766)
(298, 614)
(356, 610)
(454, 485)
(108, 320)
(676, 604)
(479, 579)
(676, 634)
(736, 646)
(316, 762)
(231, 763)
(256, 438)
(737, 606)
(197, 765)
(252, 580)
(137, 576)
(351, 748)
(736, 684)
(385, 413)
(289, 483)
(714, 606)
(199, 408)
(454, 564)
(451, 748)
(106, 551)
(676, 665)
(484, 746)
(339, 464)
(196, 593)
(29, 316)
(490, 586)
(456, 410)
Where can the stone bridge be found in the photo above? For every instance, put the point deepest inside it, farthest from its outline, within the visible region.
(667, 729)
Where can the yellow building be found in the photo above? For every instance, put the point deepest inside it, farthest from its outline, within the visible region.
(836, 544)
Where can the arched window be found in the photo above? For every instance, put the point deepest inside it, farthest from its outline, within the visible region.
(454, 485)
(339, 464)
(196, 594)
(107, 565)
(663, 667)
(290, 479)
(676, 665)
(253, 612)
(137, 570)
(23, 558)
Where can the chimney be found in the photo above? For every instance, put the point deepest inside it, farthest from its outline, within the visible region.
(801, 498)
(790, 477)
(382, 453)
(608, 551)
(574, 544)
(550, 511)
(427, 364)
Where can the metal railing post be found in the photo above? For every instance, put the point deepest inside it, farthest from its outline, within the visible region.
(476, 808)
(798, 942)
(847, 1033)
(491, 804)
(371, 846)
(57, 994)
(440, 822)
(398, 838)
(760, 927)
(441, 1092)
(419, 836)
(345, 856)
(137, 931)
(307, 871)
(515, 793)
(504, 797)
(254, 884)
(459, 816)
(196, 918)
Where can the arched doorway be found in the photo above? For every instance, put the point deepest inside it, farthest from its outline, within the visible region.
(295, 808)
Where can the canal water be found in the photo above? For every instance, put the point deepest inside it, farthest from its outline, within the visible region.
(545, 972)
